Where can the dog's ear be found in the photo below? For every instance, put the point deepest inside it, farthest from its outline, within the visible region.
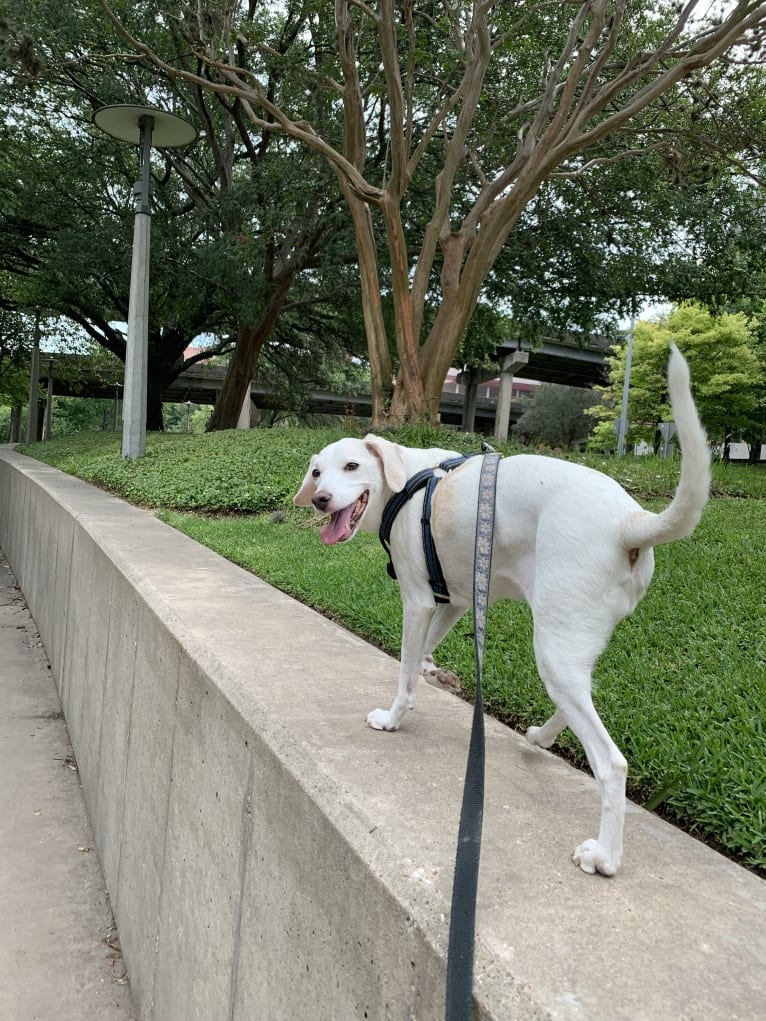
(308, 487)
(391, 457)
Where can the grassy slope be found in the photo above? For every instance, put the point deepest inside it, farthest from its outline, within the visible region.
(681, 687)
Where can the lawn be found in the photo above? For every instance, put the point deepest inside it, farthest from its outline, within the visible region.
(681, 687)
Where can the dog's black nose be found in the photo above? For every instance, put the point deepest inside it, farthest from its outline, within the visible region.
(321, 500)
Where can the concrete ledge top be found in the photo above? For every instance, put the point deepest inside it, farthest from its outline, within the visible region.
(679, 933)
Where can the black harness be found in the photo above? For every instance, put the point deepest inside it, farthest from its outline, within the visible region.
(426, 479)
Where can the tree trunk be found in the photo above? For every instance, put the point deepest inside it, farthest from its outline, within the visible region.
(244, 360)
(15, 423)
(165, 363)
(155, 384)
(467, 261)
(239, 374)
(381, 370)
(409, 400)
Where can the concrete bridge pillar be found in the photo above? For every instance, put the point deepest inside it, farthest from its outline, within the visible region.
(48, 419)
(33, 430)
(509, 366)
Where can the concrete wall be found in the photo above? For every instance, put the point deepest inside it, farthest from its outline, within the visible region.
(269, 857)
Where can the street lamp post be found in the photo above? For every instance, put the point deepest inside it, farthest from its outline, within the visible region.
(622, 430)
(146, 127)
(48, 420)
(34, 384)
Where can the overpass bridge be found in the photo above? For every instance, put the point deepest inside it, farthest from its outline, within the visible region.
(554, 360)
(201, 384)
(561, 359)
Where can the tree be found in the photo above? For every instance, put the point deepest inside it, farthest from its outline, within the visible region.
(78, 414)
(754, 429)
(244, 230)
(66, 226)
(275, 200)
(557, 416)
(724, 367)
(15, 345)
(591, 249)
(476, 106)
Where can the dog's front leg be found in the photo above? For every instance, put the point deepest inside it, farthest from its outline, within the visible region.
(414, 632)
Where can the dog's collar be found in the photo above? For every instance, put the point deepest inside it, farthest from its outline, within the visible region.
(426, 479)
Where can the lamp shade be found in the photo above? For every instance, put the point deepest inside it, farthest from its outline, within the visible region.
(123, 122)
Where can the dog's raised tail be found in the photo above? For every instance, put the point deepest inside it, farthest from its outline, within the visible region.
(681, 517)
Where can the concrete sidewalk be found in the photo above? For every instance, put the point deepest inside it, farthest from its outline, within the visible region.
(59, 954)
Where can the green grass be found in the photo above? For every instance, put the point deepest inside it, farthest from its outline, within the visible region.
(225, 472)
(681, 686)
(257, 470)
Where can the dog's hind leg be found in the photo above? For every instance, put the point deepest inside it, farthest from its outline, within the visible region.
(546, 735)
(567, 678)
(443, 621)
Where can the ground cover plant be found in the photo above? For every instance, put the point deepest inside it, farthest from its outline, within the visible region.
(681, 686)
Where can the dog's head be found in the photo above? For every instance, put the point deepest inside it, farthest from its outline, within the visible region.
(351, 480)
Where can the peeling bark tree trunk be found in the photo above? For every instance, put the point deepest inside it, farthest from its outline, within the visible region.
(240, 372)
(244, 360)
(372, 309)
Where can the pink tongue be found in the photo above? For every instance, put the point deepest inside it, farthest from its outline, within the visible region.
(338, 527)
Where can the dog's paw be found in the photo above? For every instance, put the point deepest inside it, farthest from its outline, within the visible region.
(535, 736)
(382, 719)
(427, 667)
(592, 858)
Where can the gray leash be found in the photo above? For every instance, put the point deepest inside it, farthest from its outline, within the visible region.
(463, 915)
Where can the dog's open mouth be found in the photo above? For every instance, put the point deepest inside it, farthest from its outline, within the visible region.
(343, 523)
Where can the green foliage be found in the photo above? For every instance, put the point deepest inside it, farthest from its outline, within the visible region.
(754, 432)
(81, 414)
(246, 215)
(14, 384)
(421, 434)
(725, 370)
(557, 416)
(487, 330)
(5, 423)
(236, 220)
(15, 345)
(186, 417)
(232, 471)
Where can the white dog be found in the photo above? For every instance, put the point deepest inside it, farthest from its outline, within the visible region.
(568, 540)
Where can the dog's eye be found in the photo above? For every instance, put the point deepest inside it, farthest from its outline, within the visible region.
(351, 466)
(316, 473)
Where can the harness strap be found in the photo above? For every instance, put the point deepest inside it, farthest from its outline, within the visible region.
(433, 564)
(425, 479)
